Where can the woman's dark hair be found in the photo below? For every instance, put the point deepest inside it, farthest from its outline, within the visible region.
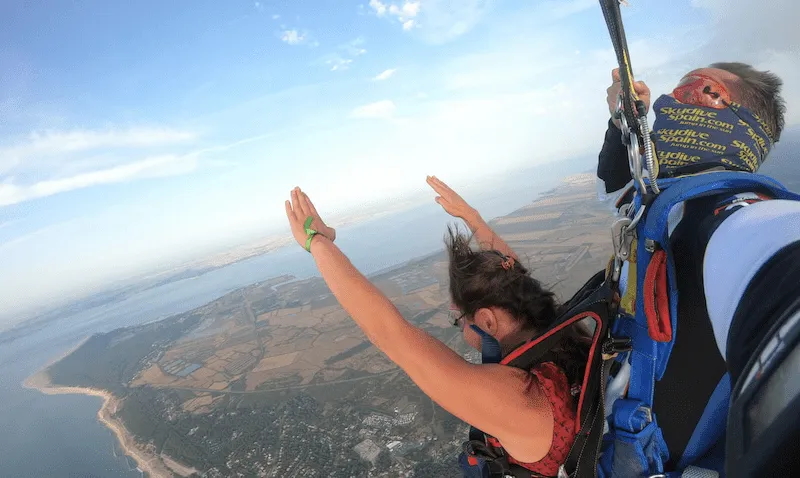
(479, 280)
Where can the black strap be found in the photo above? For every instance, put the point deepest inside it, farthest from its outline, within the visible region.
(616, 31)
(583, 456)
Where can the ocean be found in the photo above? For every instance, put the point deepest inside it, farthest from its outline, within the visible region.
(59, 435)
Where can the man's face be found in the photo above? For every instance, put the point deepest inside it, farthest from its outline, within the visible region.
(708, 87)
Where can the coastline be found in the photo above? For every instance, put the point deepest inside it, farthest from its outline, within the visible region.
(146, 461)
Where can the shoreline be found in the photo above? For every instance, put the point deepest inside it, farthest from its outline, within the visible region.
(149, 463)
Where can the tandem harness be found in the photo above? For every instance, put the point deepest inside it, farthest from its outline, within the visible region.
(633, 334)
(632, 444)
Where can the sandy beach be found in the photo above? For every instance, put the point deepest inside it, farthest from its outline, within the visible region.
(151, 464)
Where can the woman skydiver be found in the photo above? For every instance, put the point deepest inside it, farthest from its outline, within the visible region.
(531, 414)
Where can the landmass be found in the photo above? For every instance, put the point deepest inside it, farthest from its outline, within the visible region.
(276, 380)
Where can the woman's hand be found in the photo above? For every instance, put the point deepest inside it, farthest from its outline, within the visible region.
(451, 202)
(298, 210)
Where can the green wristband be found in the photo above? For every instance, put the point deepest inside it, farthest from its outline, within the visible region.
(310, 233)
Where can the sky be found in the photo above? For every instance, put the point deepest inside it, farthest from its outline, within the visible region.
(138, 134)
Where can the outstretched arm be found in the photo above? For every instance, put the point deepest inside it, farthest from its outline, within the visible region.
(455, 205)
(478, 394)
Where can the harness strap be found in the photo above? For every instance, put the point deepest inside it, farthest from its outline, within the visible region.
(711, 426)
(583, 455)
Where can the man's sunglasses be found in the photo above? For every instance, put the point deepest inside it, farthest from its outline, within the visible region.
(702, 90)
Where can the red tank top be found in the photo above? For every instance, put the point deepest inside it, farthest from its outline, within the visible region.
(553, 382)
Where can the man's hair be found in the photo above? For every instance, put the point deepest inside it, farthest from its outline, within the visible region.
(760, 92)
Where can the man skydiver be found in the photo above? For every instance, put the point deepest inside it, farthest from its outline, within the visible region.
(737, 267)
(758, 91)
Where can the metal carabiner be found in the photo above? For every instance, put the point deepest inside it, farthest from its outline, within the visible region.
(623, 233)
(637, 217)
(621, 238)
(631, 140)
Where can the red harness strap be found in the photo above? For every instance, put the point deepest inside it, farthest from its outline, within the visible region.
(656, 298)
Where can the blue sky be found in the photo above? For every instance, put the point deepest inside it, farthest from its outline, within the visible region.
(134, 135)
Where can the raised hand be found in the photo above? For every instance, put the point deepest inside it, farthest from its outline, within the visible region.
(298, 210)
(450, 201)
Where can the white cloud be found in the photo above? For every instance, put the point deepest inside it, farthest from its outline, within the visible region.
(403, 13)
(436, 21)
(275, 16)
(385, 75)
(338, 63)
(51, 162)
(344, 55)
(354, 47)
(63, 142)
(410, 9)
(160, 166)
(380, 109)
(293, 37)
(379, 7)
